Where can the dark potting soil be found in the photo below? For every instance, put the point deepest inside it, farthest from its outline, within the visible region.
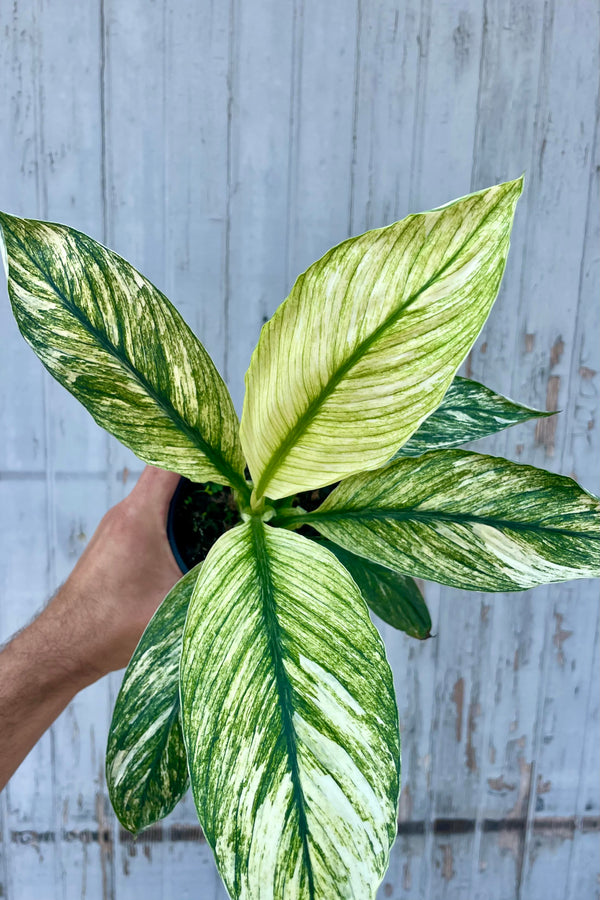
(202, 513)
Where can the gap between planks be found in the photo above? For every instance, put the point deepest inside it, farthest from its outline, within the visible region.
(563, 826)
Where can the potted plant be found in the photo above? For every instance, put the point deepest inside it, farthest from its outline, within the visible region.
(261, 679)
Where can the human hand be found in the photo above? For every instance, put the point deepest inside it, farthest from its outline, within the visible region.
(121, 578)
(93, 623)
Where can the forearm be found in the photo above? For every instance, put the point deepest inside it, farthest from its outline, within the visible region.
(41, 670)
(92, 625)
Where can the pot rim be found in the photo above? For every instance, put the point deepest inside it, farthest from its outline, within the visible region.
(170, 526)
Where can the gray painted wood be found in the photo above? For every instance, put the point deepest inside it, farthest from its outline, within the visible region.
(222, 148)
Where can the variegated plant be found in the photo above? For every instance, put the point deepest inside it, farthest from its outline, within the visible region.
(261, 679)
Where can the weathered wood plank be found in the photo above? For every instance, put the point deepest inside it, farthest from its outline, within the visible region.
(567, 101)
(445, 119)
(584, 878)
(21, 403)
(385, 101)
(322, 132)
(197, 42)
(71, 173)
(134, 138)
(134, 170)
(29, 798)
(259, 108)
(28, 802)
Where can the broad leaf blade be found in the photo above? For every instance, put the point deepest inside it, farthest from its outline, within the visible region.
(471, 521)
(146, 763)
(118, 345)
(369, 340)
(393, 597)
(290, 721)
(468, 412)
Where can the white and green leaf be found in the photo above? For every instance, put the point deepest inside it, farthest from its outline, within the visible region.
(394, 597)
(146, 763)
(117, 344)
(471, 521)
(290, 721)
(468, 412)
(369, 340)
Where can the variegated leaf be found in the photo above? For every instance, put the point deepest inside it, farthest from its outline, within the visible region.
(393, 597)
(472, 521)
(118, 345)
(290, 721)
(146, 763)
(468, 412)
(369, 340)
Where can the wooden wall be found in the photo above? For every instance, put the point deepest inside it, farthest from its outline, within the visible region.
(222, 147)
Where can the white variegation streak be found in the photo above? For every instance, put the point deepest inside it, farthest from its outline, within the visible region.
(368, 341)
(146, 763)
(468, 412)
(290, 721)
(471, 521)
(117, 344)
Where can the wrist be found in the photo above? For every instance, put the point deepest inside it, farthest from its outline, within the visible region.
(64, 644)
(93, 634)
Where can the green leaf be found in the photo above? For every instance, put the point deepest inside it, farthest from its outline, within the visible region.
(290, 721)
(393, 597)
(468, 412)
(463, 519)
(369, 340)
(118, 345)
(146, 763)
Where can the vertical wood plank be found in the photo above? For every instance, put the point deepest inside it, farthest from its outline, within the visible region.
(28, 804)
(260, 75)
(580, 455)
(567, 120)
(196, 114)
(21, 403)
(324, 123)
(29, 828)
(450, 37)
(387, 65)
(135, 133)
(184, 857)
(135, 140)
(585, 871)
(72, 172)
(513, 46)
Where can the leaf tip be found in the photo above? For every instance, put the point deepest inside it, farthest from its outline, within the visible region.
(515, 187)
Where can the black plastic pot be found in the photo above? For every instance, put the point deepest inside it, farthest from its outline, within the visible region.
(198, 515)
(170, 525)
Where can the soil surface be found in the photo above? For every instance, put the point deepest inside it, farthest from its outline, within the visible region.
(203, 512)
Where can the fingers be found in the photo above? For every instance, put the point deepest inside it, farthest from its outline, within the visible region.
(155, 488)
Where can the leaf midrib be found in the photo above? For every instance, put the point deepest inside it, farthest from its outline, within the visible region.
(280, 454)
(284, 693)
(427, 517)
(216, 460)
